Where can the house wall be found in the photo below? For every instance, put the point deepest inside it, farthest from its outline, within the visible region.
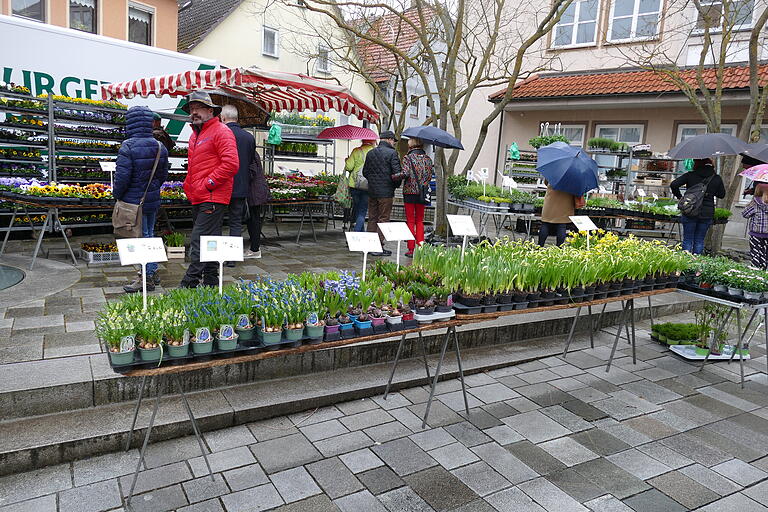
(113, 18)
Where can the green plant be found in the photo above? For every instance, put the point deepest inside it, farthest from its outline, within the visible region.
(601, 143)
(545, 140)
(175, 239)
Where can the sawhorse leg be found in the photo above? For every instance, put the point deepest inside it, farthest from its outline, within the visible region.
(64, 235)
(622, 322)
(40, 237)
(10, 226)
(570, 334)
(451, 332)
(397, 359)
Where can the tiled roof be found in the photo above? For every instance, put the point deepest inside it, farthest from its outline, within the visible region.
(392, 29)
(621, 82)
(197, 18)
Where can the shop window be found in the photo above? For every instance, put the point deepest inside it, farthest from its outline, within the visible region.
(323, 59)
(140, 20)
(634, 19)
(578, 25)
(83, 16)
(270, 42)
(32, 9)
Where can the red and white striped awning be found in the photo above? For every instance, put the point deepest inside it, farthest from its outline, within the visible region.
(274, 90)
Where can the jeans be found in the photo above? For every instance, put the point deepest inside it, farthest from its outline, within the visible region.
(547, 227)
(414, 216)
(380, 209)
(207, 220)
(239, 209)
(694, 232)
(148, 231)
(359, 208)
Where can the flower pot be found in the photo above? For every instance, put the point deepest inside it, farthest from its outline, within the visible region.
(177, 350)
(503, 298)
(352, 317)
(469, 301)
(425, 311)
(230, 344)
(532, 297)
(152, 354)
(735, 291)
(752, 295)
(272, 337)
(331, 329)
(519, 297)
(202, 348)
(121, 358)
(293, 334)
(443, 308)
(244, 334)
(394, 320)
(720, 288)
(314, 331)
(705, 285)
(407, 317)
(488, 300)
(378, 321)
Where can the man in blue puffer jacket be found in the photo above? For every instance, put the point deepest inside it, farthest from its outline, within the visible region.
(134, 168)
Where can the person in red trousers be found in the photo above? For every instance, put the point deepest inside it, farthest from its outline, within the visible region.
(416, 174)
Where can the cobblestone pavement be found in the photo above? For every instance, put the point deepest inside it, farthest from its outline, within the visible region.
(549, 435)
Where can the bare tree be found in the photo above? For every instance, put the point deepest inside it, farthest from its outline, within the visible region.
(720, 28)
(459, 48)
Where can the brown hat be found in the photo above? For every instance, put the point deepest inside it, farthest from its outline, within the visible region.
(204, 98)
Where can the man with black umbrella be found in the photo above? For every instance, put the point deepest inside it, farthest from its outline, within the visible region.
(381, 163)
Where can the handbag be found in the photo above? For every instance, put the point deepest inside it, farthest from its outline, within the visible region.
(126, 217)
(424, 191)
(361, 182)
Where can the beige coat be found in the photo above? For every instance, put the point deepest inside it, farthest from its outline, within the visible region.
(558, 206)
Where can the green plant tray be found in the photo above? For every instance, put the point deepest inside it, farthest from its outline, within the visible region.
(167, 360)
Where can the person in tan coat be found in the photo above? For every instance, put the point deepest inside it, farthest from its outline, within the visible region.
(558, 206)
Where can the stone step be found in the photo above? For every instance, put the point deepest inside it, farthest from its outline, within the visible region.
(34, 442)
(73, 383)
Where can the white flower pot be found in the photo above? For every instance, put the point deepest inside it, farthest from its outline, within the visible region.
(752, 295)
(735, 291)
(721, 288)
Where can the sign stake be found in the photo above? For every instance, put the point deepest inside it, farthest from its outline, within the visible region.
(144, 284)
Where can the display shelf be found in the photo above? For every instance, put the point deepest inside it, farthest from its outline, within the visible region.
(20, 161)
(30, 143)
(26, 127)
(22, 110)
(17, 96)
(87, 151)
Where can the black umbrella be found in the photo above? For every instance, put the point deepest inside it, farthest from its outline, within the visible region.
(434, 135)
(708, 145)
(756, 153)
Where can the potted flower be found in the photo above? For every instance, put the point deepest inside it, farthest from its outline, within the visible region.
(333, 303)
(113, 327)
(149, 334)
(394, 317)
(174, 243)
(314, 328)
(176, 332)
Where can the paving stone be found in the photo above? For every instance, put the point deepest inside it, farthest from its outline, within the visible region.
(324, 430)
(155, 478)
(735, 502)
(380, 480)
(467, 434)
(159, 500)
(320, 415)
(692, 448)
(22, 486)
(296, 484)
(403, 456)
(684, 490)
(759, 492)
(409, 419)
(522, 404)
(104, 467)
(607, 503)
(665, 455)
(361, 460)
(506, 464)
(439, 414)
(727, 398)
(551, 497)
(222, 461)
(246, 477)
(284, 453)
(543, 394)
(638, 464)
(41, 504)
(512, 381)
(360, 501)
(539, 460)
(566, 370)
(203, 488)
(618, 408)
(227, 438)
(729, 444)
(536, 427)
(319, 503)
(387, 431)
(356, 406)
(90, 498)
(567, 384)
(393, 401)
(482, 419)
(213, 505)
(695, 415)
(404, 499)
(272, 428)
(740, 472)
(453, 455)
(575, 484)
(455, 401)
(432, 438)
(651, 427)
(588, 394)
(366, 419)
(654, 501)
(615, 376)
(611, 478)
(625, 433)
(600, 442)
(495, 392)
(343, 443)
(568, 451)
(478, 505)
(651, 392)
(481, 478)
(537, 376)
(335, 479)
(513, 500)
(258, 498)
(709, 479)
(566, 418)
(503, 435)
(440, 489)
(168, 452)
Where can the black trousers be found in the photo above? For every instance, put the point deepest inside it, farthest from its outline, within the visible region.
(207, 220)
(239, 210)
(550, 227)
(758, 252)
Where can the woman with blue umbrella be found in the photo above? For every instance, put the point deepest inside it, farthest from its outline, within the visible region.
(569, 173)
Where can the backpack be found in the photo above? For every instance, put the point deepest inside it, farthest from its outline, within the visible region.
(690, 204)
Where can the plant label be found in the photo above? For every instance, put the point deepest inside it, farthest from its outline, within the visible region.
(641, 192)
(508, 182)
(127, 343)
(583, 223)
(243, 322)
(140, 251)
(363, 242)
(395, 231)
(221, 248)
(481, 175)
(202, 335)
(470, 175)
(226, 332)
(602, 190)
(108, 166)
(655, 197)
(462, 225)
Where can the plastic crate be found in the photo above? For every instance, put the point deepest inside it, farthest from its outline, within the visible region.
(100, 257)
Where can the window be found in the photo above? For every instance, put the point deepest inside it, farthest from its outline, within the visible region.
(429, 107)
(629, 133)
(574, 133)
(33, 9)
(686, 131)
(323, 60)
(140, 24)
(714, 14)
(578, 25)
(82, 15)
(413, 108)
(634, 19)
(270, 42)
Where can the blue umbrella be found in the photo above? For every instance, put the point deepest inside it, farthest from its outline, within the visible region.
(567, 168)
(434, 136)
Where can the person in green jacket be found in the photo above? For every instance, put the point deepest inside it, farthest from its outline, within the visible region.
(358, 185)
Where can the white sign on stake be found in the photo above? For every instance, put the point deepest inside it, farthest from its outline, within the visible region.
(363, 242)
(221, 249)
(109, 167)
(396, 232)
(641, 192)
(140, 251)
(655, 197)
(462, 225)
(583, 223)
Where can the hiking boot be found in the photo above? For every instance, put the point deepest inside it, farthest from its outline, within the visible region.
(136, 285)
(252, 255)
(155, 278)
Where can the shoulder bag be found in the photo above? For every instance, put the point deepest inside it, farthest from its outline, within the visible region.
(127, 217)
(423, 191)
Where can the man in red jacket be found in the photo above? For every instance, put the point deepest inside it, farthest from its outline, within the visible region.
(213, 163)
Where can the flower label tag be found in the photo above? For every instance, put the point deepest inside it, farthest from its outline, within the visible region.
(203, 335)
(127, 343)
(243, 322)
(226, 332)
(186, 336)
(312, 319)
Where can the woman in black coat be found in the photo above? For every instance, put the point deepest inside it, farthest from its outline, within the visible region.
(695, 227)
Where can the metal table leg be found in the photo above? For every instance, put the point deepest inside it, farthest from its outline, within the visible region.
(650, 310)
(746, 329)
(765, 332)
(424, 354)
(40, 238)
(394, 365)
(64, 235)
(739, 347)
(591, 327)
(312, 223)
(622, 321)
(461, 374)
(194, 424)
(632, 321)
(301, 224)
(446, 340)
(143, 451)
(8, 230)
(136, 410)
(570, 334)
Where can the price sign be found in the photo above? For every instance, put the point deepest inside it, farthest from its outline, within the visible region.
(470, 175)
(481, 175)
(395, 231)
(140, 251)
(655, 197)
(221, 248)
(602, 190)
(583, 223)
(462, 225)
(641, 192)
(109, 167)
(363, 242)
(508, 182)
